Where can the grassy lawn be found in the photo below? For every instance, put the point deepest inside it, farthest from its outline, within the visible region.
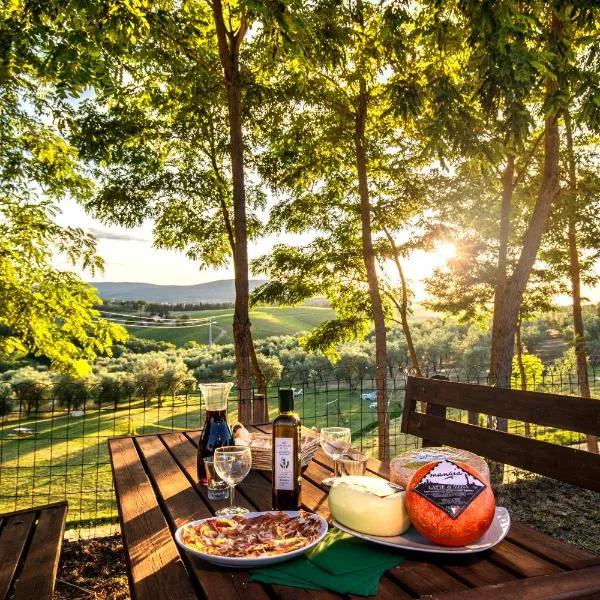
(265, 322)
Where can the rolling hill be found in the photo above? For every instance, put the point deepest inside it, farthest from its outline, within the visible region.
(213, 291)
(265, 322)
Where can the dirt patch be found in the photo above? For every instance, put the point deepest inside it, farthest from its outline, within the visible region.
(94, 568)
(555, 508)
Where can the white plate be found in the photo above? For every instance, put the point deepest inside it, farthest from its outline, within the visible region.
(246, 563)
(412, 540)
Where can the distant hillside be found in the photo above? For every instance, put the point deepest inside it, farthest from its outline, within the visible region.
(213, 291)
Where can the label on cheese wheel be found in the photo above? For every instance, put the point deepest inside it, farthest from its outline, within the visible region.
(450, 487)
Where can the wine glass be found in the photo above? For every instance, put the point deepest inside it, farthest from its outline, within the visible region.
(335, 441)
(232, 463)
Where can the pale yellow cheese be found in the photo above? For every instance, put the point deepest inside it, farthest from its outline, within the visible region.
(369, 505)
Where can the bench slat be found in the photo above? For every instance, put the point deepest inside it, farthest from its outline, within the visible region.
(560, 462)
(553, 410)
(13, 538)
(41, 563)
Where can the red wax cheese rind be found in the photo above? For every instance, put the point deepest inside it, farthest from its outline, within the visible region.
(450, 503)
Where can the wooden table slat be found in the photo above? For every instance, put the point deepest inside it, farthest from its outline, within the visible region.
(419, 577)
(583, 583)
(517, 560)
(13, 538)
(476, 570)
(41, 563)
(182, 504)
(155, 567)
(565, 555)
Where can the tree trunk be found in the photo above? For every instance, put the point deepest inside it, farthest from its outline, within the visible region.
(522, 373)
(229, 46)
(574, 272)
(501, 364)
(502, 272)
(402, 306)
(372, 279)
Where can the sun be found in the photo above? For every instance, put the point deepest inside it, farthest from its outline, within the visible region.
(445, 250)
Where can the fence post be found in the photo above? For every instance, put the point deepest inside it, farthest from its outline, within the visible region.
(260, 410)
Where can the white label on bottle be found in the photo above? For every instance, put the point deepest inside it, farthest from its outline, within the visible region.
(284, 464)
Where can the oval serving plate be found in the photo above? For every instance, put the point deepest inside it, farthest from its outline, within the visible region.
(413, 540)
(246, 563)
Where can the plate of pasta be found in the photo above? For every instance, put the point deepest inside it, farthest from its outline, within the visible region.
(253, 539)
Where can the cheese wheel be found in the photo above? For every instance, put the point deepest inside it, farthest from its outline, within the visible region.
(450, 503)
(369, 505)
(406, 464)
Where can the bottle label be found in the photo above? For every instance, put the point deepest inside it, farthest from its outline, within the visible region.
(284, 464)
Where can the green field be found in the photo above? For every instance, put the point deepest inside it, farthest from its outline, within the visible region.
(265, 322)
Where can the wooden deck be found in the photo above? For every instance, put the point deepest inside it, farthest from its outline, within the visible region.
(30, 543)
(155, 485)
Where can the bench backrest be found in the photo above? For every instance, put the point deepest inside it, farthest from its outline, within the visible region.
(570, 413)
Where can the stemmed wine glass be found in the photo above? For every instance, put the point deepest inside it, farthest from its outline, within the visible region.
(232, 463)
(335, 441)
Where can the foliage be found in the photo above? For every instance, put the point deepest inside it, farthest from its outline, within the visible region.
(271, 368)
(48, 312)
(31, 390)
(533, 369)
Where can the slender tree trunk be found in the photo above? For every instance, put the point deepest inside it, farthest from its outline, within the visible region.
(575, 274)
(229, 45)
(402, 306)
(502, 274)
(370, 266)
(258, 375)
(522, 373)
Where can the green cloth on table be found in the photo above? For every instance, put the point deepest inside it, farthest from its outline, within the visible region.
(340, 563)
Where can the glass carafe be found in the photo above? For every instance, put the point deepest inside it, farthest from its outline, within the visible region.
(216, 431)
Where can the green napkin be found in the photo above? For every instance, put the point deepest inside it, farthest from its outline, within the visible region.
(340, 563)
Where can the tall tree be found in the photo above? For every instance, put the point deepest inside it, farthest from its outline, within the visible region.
(188, 74)
(337, 146)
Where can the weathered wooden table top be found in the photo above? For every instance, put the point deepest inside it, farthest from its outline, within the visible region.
(155, 477)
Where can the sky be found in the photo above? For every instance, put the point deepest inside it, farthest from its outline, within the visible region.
(130, 256)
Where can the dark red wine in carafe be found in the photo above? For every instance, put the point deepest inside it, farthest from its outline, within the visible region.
(216, 433)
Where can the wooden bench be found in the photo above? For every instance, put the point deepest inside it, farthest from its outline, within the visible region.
(30, 543)
(570, 413)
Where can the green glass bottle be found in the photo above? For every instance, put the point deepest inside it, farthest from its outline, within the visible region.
(287, 478)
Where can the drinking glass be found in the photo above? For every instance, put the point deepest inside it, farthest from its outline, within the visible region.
(217, 488)
(335, 441)
(353, 463)
(232, 464)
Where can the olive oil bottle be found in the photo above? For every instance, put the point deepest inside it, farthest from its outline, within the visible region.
(286, 454)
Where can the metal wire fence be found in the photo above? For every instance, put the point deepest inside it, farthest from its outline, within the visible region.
(53, 441)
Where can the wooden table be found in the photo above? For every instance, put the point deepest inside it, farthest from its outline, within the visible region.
(155, 478)
(30, 543)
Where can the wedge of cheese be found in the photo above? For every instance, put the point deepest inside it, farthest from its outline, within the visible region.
(369, 505)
